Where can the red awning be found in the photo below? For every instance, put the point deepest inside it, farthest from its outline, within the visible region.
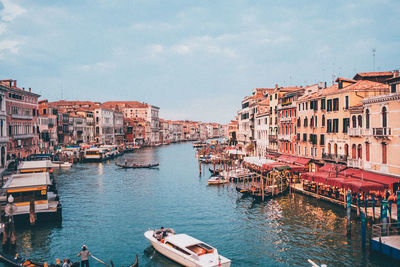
(297, 168)
(270, 166)
(386, 180)
(302, 161)
(330, 167)
(359, 186)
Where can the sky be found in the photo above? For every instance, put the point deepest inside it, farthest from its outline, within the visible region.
(195, 60)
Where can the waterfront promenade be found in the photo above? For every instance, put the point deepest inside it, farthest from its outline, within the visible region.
(109, 209)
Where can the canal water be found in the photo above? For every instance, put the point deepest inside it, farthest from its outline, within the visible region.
(109, 209)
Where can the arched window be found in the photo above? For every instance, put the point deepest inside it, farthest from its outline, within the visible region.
(298, 122)
(359, 118)
(286, 129)
(354, 121)
(353, 151)
(335, 149)
(329, 148)
(312, 121)
(323, 121)
(367, 118)
(346, 150)
(305, 122)
(359, 151)
(384, 117)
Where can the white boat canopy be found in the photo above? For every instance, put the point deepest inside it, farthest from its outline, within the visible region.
(35, 164)
(235, 152)
(258, 161)
(27, 180)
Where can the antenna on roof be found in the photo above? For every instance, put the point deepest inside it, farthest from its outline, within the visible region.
(373, 58)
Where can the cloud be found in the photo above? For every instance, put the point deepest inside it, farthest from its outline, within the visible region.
(8, 45)
(154, 50)
(99, 67)
(10, 11)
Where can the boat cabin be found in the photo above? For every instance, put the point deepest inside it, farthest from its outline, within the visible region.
(35, 166)
(95, 153)
(189, 245)
(27, 187)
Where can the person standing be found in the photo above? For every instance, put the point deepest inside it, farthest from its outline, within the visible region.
(84, 254)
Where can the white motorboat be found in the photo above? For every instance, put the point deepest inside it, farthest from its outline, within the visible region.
(185, 249)
(61, 164)
(217, 180)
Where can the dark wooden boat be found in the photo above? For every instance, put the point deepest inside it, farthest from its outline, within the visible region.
(134, 165)
(278, 191)
(216, 172)
(136, 263)
(247, 191)
(19, 262)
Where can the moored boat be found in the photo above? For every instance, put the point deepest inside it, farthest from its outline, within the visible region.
(61, 164)
(215, 180)
(185, 249)
(135, 165)
(18, 261)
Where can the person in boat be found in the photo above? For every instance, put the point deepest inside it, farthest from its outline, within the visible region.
(67, 263)
(9, 230)
(163, 232)
(58, 263)
(84, 254)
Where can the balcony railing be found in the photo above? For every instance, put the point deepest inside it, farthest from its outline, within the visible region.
(272, 137)
(22, 117)
(4, 139)
(333, 157)
(355, 131)
(354, 163)
(285, 137)
(22, 136)
(382, 132)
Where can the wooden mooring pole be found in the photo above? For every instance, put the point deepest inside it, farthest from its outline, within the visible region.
(348, 201)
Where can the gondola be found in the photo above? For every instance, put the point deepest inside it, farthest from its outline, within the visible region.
(136, 263)
(131, 166)
(257, 195)
(215, 172)
(19, 262)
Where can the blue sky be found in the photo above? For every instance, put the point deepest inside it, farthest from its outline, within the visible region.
(194, 59)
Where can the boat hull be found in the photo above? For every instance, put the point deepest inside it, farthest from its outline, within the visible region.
(181, 259)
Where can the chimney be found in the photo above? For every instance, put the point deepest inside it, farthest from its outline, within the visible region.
(396, 73)
(29, 89)
(11, 83)
(325, 85)
(15, 83)
(320, 84)
(276, 86)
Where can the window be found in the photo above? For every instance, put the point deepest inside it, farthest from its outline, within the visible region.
(329, 105)
(346, 123)
(315, 121)
(335, 104)
(305, 122)
(384, 153)
(353, 151)
(367, 151)
(359, 151)
(346, 102)
(276, 96)
(323, 104)
(312, 121)
(311, 104)
(298, 122)
(329, 126)
(359, 118)
(335, 126)
(384, 117)
(44, 111)
(270, 97)
(298, 137)
(393, 88)
(323, 120)
(367, 118)
(304, 137)
(322, 140)
(354, 122)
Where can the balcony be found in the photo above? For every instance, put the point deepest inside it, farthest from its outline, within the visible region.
(272, 137)
(4, 139)
(382, 132)
(355, 131)
(22, 117)
(333, 157)
(285, 137)
(354, 163)
(22, 136)
(285, 119)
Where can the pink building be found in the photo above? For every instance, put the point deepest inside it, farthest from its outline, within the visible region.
(22, 113)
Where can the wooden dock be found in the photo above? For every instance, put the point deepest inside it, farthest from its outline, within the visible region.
(299, 189)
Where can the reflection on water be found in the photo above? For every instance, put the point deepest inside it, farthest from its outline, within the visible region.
(109, 209)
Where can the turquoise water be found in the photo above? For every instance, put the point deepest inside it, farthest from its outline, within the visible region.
(109, 209)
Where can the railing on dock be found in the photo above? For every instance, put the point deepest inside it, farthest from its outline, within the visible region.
(388, 229)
